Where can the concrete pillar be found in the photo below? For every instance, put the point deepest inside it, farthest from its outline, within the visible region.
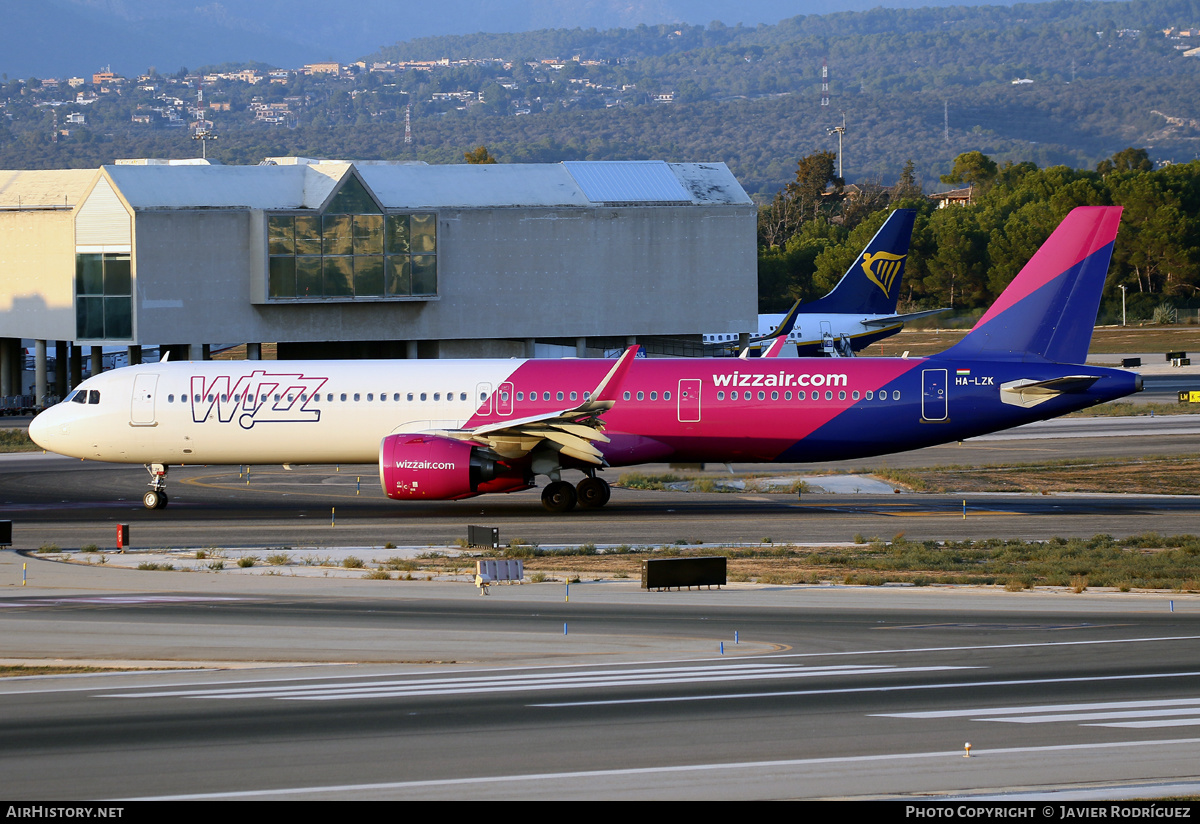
(410, 350)
(135, 355)
(41, 384)
(97, 360)
(6, 367)
(76, 365)
(530, 350)
(60, 368)
(581, 347)
(18, 368)
(743, 340)
(195, 351)
(630, 340)
(253, 351)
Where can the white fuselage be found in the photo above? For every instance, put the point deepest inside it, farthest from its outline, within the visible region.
(236, 411)
(811, 329)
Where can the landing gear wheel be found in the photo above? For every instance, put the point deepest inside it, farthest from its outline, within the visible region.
(593, 492)
(151, 500)
(162, 501)
(559, 497)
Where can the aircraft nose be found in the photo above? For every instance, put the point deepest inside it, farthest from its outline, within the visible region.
(42, 429)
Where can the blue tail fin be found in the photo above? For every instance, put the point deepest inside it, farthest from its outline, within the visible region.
(1049, 310)
(872, 285)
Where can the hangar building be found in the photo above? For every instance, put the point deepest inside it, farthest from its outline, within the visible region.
(369, 259)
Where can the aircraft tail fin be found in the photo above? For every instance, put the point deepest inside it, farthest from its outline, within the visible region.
(872, 285)
(1049, 310)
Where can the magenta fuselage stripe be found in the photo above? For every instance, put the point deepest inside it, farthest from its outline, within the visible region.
(1081, 234)
(650, 413)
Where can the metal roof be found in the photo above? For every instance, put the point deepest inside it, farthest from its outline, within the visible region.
(308, 185)
(230, 187)
(627, 181)
(56, 189)
(473, 185)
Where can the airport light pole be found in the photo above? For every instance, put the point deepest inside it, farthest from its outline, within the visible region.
(1122, 304)
(840, 130)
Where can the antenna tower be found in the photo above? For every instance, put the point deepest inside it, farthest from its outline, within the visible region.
(824, 83)
(408, 124)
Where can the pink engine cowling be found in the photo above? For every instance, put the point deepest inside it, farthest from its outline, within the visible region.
(433, 468)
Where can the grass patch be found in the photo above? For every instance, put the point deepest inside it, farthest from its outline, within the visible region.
(1147, 561)
(1114, 409)
(379, 575)
(279, 559)
(1162, 474)
(154, 566)
(352, 562)
(247, 561)
(14, 439)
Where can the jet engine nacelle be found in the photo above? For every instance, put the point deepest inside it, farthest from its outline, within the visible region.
(434, 468)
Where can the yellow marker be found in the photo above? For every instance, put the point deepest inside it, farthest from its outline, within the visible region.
(333, 516)
(967, 746)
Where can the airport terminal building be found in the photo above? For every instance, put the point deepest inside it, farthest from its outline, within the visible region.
(337, 259)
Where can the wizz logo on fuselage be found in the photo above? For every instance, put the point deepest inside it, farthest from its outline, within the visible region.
(881, 269)
(257, 397)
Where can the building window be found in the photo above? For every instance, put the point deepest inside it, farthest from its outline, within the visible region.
(352, 251)
(103, 296)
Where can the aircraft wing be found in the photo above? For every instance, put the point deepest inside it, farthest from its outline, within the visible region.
(573, 432)
(889, 320)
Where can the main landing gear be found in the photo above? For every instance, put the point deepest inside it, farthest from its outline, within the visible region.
(156, 498)
(590, 493)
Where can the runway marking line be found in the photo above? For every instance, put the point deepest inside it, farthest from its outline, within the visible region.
(561, 777)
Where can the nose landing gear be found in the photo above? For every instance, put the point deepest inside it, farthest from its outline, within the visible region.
(156, 498)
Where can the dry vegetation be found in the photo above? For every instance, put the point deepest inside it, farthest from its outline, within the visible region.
(1167, 475)
(1106, 340)
(1141, 562)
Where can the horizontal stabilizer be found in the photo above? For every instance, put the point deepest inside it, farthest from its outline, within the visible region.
(1029, 393)
(888, 320)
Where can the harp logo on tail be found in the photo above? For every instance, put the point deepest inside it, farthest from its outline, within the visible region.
(881, 269)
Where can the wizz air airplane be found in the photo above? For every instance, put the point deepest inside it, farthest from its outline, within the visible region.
(443, 430)
(859, 311)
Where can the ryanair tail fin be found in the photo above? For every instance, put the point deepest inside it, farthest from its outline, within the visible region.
(872, 285)
(1049, 310)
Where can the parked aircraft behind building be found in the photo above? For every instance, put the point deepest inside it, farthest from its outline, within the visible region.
(454, 429)
(860, 310)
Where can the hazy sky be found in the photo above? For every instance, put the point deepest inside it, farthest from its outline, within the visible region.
(53, 38)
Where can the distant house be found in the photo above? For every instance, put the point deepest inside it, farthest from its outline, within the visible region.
(954, 197)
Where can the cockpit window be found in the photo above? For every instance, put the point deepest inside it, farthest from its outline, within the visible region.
(93, 396)
(78, 396)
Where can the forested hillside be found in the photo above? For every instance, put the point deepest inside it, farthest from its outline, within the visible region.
(963, 256)
(924, 84)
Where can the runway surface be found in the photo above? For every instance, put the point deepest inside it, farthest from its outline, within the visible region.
(70, 503)
(830, 693)
(289, 687)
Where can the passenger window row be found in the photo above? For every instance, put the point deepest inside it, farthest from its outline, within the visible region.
(802, 395)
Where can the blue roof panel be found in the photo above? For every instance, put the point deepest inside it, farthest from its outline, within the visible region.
(627, 181)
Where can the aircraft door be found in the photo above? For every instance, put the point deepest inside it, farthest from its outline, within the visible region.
(141, 411)
(933, 394)
(688, 404)
(504, 399)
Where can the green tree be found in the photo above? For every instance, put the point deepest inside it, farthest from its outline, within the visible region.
(1126, 160)
(479, 155)
(973, 168)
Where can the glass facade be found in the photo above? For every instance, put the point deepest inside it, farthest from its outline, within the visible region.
(353, 251)
(103, 296)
